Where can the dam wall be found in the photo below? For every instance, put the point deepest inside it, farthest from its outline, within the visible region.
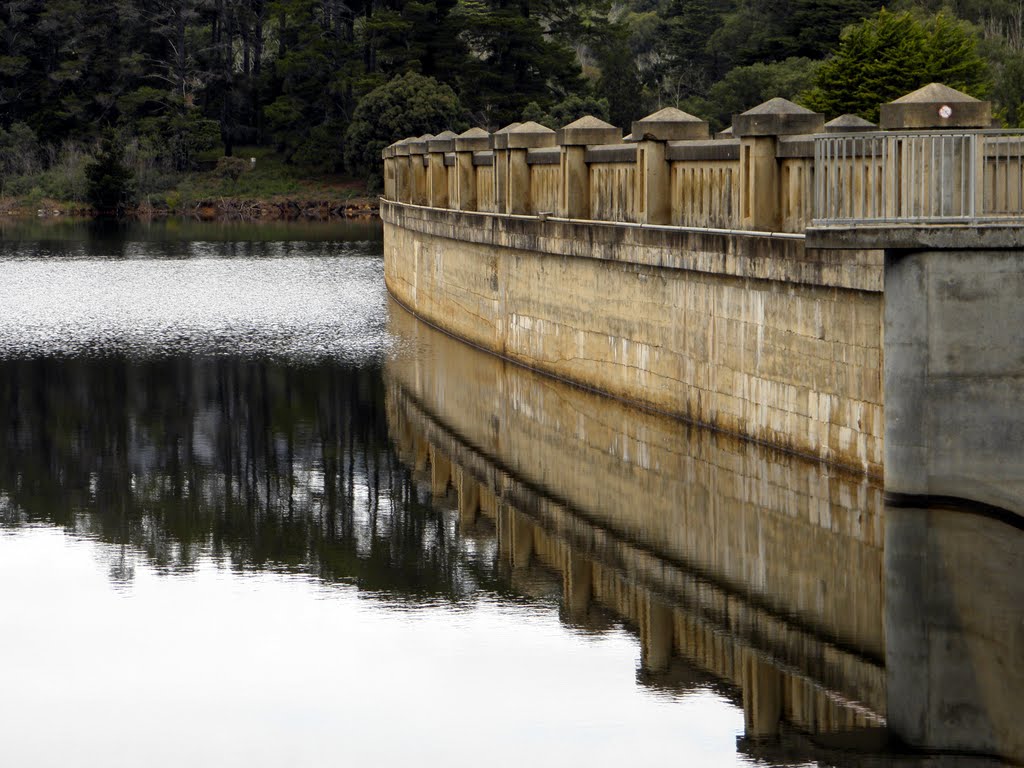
(751, 334)
(738, 282)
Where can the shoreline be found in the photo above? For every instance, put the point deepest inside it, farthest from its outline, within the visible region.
(219, 209)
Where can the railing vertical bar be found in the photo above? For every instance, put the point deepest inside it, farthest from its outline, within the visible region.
(1020, 175)
(824, 179)
(815, 213)
(885, 175)
(857, 189)
(841, 199)
(861, 159)
(833, 154)
(967, 153)
(826, 182)
(833, 181)
(913, 168)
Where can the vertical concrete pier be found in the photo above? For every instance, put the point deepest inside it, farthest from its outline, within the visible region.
(954, 421)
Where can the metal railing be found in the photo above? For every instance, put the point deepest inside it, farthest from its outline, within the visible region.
(918, 177)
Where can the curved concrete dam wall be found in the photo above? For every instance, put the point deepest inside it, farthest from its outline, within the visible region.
(748, 332)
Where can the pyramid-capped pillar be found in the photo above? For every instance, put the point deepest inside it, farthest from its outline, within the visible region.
(388, 156)
(654, 173)
(574, 138)
(403, 170)
(443, 142)
(437, 173)
(586, 131)
(936, 106)
(758, 130)
(418, 146)
(849, 124)
(670, 124)
(418, 161)
(777, 117)
(401, 148)
(499, 142)
(394, 162)
(520, 140)
(466, 143)
(499, 139)
(529, 135)
(473, 140)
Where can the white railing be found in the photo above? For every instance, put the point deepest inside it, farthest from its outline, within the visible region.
(918, 177)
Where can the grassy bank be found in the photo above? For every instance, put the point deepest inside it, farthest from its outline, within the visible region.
(255, 183)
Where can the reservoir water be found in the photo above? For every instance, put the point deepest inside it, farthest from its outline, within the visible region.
(254, 513)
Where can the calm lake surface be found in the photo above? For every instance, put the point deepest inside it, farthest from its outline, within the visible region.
(254, 513)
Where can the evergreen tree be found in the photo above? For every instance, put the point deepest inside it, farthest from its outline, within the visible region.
(891, 54)
(109, 180)
(409, 105)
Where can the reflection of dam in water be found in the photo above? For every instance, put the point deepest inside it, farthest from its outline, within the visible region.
(689, 535)
(735, 563)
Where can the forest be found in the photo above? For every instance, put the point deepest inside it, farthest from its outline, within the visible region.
(161, 88)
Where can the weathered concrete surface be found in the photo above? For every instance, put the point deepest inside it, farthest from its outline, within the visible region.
(745, 552)
(979, 236)
(954, 628)
(936, 106)
(954, 376)
(752, 334)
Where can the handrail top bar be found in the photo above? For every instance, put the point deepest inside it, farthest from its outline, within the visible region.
(924, 133)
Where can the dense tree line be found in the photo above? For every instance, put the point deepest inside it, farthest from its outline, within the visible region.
(176, 80)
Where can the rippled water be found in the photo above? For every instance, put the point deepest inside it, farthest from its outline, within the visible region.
(296, 300)
(253, 513)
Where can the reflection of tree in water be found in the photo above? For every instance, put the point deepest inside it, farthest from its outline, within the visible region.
(260, 465)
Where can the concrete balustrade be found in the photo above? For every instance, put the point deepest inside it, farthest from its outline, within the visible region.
(667, 172)
(759, 175)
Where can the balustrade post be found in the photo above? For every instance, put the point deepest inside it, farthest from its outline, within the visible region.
(758, 130)
(403, 171)
(519, 141)
(654, 173)
(388, 156)
(437, 147)
(499, 143)
(418, 162)
(574, 200)
(473, 140)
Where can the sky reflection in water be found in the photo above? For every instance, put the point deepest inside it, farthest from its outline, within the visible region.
(219, 668)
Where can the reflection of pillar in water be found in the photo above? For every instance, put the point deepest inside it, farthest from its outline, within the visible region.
(522, 540)
(440, 472)
(762, 698)
(421, 452)
(954, 631)
(503, 522)
(656, 636)
(469, 497)
(488, 502)
(578, 585)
